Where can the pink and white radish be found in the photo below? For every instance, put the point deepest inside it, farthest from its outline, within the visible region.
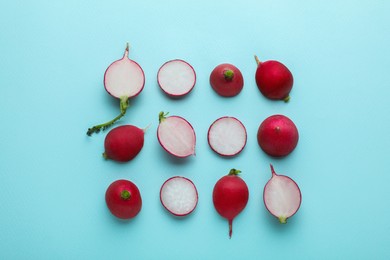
(277, 135)
(123, 143)
(282, 196)
(176, 135)
(179, 196)
(123, 80)
(176, 78)
(227, 136)
(227, 80)
(230, 196)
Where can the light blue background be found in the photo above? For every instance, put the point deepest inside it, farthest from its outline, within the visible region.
(53, 177)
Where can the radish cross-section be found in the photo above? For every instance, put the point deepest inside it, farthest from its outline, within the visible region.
(282, 196)
(176, 78)
(227, 136)
(179, 196)
(123, 80)
(176, 135)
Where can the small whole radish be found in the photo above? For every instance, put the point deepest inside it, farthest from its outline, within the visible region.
(277, 135)
(179, 196)
(226, 79)
(282, 196)
(123, 143)
(123, 199)
(176, 135)
(274, 79)
(176, 78)
(230, 196)
(123, 80)
(227, 136)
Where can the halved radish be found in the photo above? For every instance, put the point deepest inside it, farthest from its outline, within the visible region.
(179, 196)
(176, 78)
(123, 79)
(176, 135)
(282, 196)
(227, 136)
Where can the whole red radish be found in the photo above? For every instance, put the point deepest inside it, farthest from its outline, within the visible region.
(230, 196)
(123, 143)
(123, 80)
(226, 79)
(123, 199)
(274, 79)
(277, 135)
(282, 196)
(176, 135)
(176, 78)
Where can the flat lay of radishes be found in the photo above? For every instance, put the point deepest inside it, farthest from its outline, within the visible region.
(176, 135)
(282, 196)
(277, 136)
(123, 80)
(179, 196)
(176, 78)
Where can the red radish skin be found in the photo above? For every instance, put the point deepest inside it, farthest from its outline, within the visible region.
(274, 79)
(277, 136)
(123, 143)
(179, 196)
(282, 196)
(176, 78)
(230, 196)
(123, 199)
(227, 136)
(226, 80)
(176, 135)
(123, 80)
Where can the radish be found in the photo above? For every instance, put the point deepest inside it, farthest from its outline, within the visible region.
(230, 196)
(123, 143)
(226, 79)
(179, 196)
(123, 79)
(176, 78)
(277, 135)
(123, 199)
(176, 135)
(227, 136)
(282, 196)
(274, 79)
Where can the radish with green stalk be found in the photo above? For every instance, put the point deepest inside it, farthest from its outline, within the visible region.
(230, 196)
(123, 80)
(282, 196)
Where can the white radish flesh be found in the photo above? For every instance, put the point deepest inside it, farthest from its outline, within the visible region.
(176, 78)
(227, 136)
(282, 196)
(179, 196)
(176, 135)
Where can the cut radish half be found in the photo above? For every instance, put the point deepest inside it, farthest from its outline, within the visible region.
(227, 136)
(282, 196)
(179, 196)
(176, 78)
(176, 135)
(123, 79)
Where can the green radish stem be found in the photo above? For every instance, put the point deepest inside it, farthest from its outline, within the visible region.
(234, 172)
(125, 195)
(162, 116)
(228, 74)
(124, 104)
